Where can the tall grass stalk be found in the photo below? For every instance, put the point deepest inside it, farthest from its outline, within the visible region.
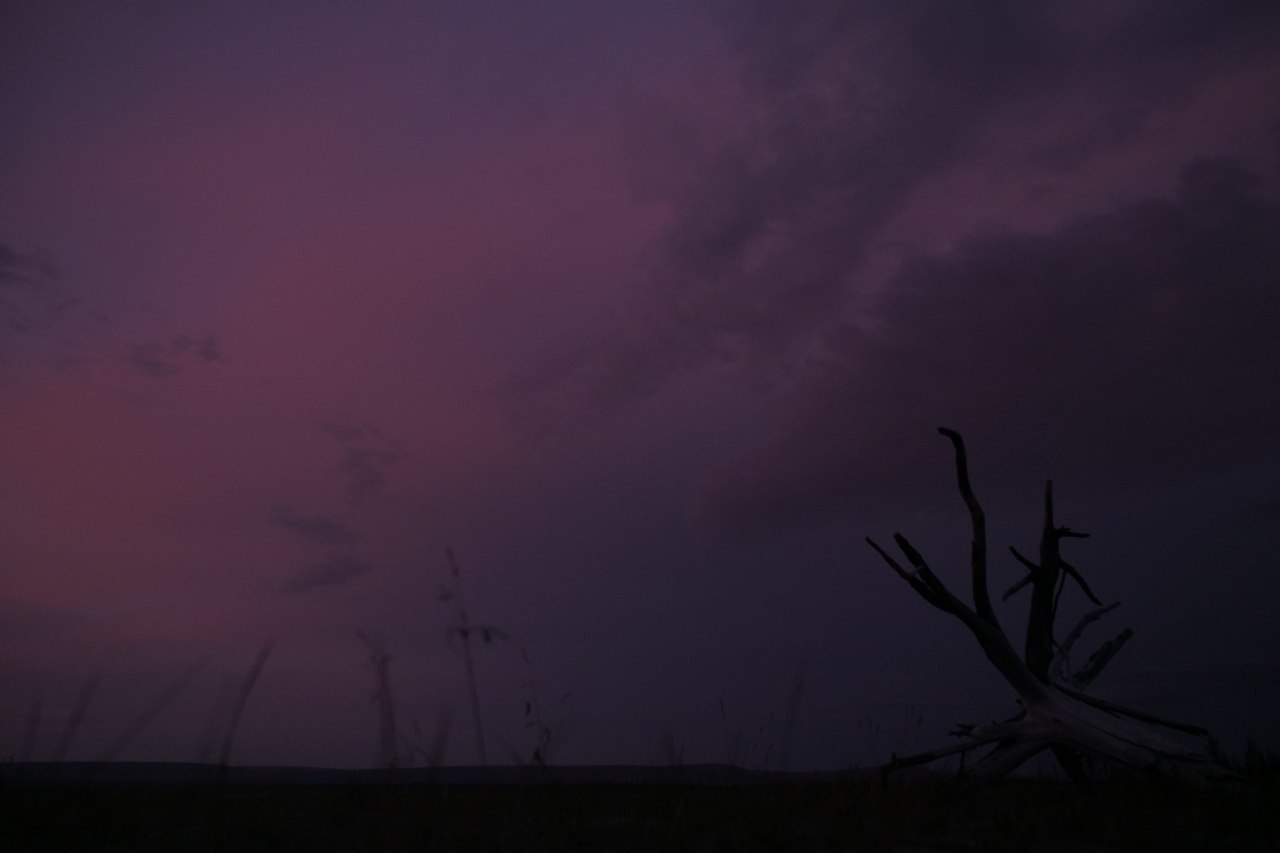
(380, 662)
(545, 737)
(434, 755)
(785, 741)
(157, 705)
(69, 729)
(732, 738)
(464, 630)
(242, 698)
(31, 731)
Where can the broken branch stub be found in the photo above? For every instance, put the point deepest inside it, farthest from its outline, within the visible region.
(1057, 714)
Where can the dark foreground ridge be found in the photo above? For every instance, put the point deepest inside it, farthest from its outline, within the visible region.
(168, 774)
(200, 807)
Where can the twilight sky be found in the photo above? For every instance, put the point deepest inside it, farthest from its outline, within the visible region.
(650, 312)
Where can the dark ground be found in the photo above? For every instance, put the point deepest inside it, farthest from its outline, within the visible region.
(696, 809)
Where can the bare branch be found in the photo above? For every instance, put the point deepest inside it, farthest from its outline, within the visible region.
(1008, 756)
(1099, 659)
(989, 636)
(922, 568)
(981, 737)
(893, 564)
(1013, 590)
(1071, 572)
(978, 521)
(1015, 742)
(1123, 711)
(1065, 647)
(910, 577)
(1038, 648)
(1032, 570)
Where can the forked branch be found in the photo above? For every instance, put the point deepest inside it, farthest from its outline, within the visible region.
(978, 522)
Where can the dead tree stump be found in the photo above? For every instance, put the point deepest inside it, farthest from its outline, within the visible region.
(1057, 711)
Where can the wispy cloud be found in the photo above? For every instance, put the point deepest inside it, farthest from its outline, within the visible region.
(321, 529)
(366, 456)
(33, 269)
(158, 360)
(334, 570)
(26, 280)
(205, 349)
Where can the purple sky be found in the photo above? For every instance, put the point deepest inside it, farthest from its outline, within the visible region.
(650, 311)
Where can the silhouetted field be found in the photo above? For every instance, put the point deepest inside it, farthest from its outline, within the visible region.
(188, 807)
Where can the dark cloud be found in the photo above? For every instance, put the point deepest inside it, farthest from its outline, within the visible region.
(852, 106)
(332, 571)
(205, 349)
(159, 360)
(151, 359)
(26, 281)
(35, 269)
(1135, 343)
(322, 529)
(366, 456)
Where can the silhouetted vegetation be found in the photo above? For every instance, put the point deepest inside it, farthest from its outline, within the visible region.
(68, 806)
(854, 813)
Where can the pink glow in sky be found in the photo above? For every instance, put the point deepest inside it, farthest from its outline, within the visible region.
(649, 311)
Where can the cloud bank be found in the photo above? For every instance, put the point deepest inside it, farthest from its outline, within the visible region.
(1136, 342)
(845, 113)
